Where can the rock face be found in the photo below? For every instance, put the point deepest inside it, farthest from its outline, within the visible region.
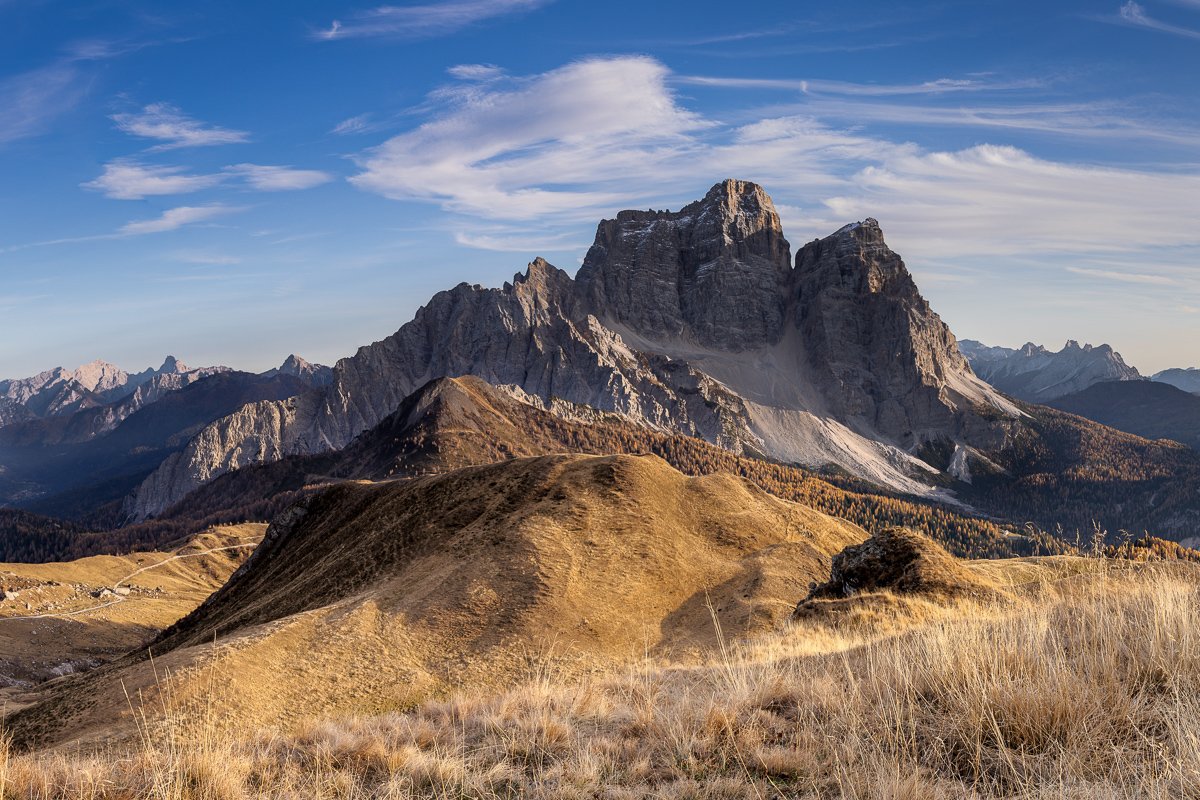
(1039, 375)
(715, 272)
(873, 341)
(692, 321)
(1186, 379)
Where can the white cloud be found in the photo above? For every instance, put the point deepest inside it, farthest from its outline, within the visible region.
(129, 180)
(813, 86)
(1132, 13)
(524, 243)
(1004, 201)
(279, 179)
(175, 218)
(124, 179)
(29, 101)
(493, 152)
(571, 145)
(166, 123)
(1124, 277)
(424, 21)
(357, 124)
(204, 259)
(475, 72)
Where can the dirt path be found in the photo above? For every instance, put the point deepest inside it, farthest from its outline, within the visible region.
(117, 584)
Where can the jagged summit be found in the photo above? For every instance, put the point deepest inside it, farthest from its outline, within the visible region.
(714, 272)
(172, 365)
(297, 367)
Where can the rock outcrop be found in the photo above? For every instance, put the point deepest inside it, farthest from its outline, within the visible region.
(692, 321)
(900, 561)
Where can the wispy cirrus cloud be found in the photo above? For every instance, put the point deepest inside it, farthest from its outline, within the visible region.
(127, 179)
(175, 218)
(523, 243)
(423, 21)
(1125, 277)
(1134, 14)
(266, 178)
(816, 86)
(170, 220)
(360, 123)
(174, 129)
(475, 72)
(30, 101)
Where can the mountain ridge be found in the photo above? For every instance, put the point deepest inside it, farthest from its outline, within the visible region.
(1039, 375)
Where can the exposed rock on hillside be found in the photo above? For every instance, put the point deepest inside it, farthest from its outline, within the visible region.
(901, 561)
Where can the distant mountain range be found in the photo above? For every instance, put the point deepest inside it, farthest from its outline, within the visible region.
(1037, 374)
(1096, 383)
(61, 392)
(88, 436)
(1186, 379)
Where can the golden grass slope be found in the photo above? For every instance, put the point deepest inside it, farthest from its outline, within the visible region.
(372, 597)
(1078, 682)
(62, 617)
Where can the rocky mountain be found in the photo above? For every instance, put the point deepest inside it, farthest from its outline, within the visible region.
(297, 367)
(1036, 374)
(1186, 379)
(697, 322)
(1152, 409)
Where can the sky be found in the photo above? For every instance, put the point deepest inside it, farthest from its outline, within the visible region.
(231, 182)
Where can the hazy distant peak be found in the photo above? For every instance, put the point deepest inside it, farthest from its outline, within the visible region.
(297, 367)
(1035, 373)
(172, 365)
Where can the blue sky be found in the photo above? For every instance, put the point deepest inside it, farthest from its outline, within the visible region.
(234, 181)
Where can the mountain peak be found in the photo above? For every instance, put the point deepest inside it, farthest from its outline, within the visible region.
(172, 365)
(293, 361)
(100, 376)
(297, 367)
(714, 272)
(867, 228)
